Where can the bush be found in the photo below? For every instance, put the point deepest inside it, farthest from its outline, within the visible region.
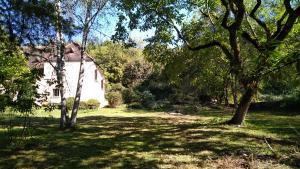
(114, 99)
(135, 105)
(161, 105)
(130, 95)
(114, 87)
(70, 101)
(83, 105)
(4, 100)
(147, 99)
(93, 104)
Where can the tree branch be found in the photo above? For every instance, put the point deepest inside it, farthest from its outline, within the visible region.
(279, 25)
(199, 47)
(258, 21)
(253, 41)
(292, 17)
(226, 15)
(282, 65)
(288, 6)
(239, 14)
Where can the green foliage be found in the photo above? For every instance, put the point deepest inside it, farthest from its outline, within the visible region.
(93, 103)
(135, 73)
(112, 58)
(130, 95)
(17, 81)
(83, 105)
(147, 99)
(33, 22)
(284, 82)
(70, 102)
(113, 87)
(157, 83)
(114, 94)
(4, 100)
(207, 69)
(114, 98)
(135, 105)
(90, 104)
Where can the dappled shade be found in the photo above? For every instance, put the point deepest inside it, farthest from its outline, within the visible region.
(154, 140)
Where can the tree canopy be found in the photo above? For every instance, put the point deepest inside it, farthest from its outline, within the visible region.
(256, 37)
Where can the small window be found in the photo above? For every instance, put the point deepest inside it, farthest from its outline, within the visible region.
(96, 74)
(102, 84)
(56, 92)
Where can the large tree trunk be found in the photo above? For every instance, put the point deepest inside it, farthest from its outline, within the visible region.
(243, 106)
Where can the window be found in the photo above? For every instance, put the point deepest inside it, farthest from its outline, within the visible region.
(102, 84)
(56, 92)
(96, 74)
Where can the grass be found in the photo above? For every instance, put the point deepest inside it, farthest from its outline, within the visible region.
(123, 138)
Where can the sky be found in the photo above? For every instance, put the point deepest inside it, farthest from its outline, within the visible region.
(107, 28)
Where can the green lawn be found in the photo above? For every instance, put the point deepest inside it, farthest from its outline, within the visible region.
(122, 138)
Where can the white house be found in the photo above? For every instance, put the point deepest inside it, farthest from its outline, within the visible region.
(44, 60)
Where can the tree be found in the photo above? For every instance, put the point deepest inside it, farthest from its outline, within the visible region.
(29, 22)
(254, 41)
(136, 72)
(206, 77)
(16, 79)
(88, 12)
(112, 58)
(32, 23)
(60, 66)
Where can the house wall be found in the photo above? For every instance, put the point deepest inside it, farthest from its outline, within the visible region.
(91, 89)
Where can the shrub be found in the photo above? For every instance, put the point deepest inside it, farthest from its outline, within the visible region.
(4, 100)
(147, 99)
(114, 87)
(135, 105)
(70, 101)
(50, 107)
(93, 104)
(114, 99)
(161, 105)
(130, 95)
(83, 105)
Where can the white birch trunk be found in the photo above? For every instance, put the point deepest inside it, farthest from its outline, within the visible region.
(60, 67)
(81, 69)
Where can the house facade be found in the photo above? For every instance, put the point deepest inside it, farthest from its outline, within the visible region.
(93, 82)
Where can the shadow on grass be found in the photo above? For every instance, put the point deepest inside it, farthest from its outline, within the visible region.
(130, 142)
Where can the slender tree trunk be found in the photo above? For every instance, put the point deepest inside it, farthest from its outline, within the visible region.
(226, 96)
(243, 106)
(226, 84)
(81, 70)
(60, 79)
(60, 68)
(90, 16)
(61, 76)
(73, 119)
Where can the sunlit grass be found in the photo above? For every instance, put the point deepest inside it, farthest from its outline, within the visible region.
(125, 138)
